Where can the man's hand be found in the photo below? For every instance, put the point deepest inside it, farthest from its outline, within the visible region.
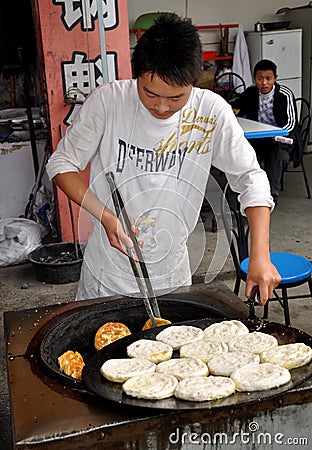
(264, 274)
(73, 185)
(115, 232)
(261, 271)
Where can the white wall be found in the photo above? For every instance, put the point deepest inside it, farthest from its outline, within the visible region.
(214, 12)
(17, 176)
(211, 12)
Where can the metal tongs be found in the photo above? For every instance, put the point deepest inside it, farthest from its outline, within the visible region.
(255, 322)
(138, 267)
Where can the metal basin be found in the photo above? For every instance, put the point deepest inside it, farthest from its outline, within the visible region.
(57, 263)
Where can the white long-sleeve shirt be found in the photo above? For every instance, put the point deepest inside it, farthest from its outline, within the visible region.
(161, 168)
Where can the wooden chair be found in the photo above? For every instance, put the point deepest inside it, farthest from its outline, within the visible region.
(305, 117)
(295, 270)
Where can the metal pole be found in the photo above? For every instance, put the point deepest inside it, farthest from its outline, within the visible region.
(102, 40)
(28, 110)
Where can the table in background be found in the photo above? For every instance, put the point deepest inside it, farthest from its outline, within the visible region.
(253, 129)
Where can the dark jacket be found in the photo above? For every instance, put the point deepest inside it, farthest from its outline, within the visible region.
(284, 111)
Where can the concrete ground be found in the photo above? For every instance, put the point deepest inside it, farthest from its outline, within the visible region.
(290, 231)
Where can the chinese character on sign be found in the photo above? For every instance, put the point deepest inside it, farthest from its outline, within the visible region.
(84, 12)
(80, 76)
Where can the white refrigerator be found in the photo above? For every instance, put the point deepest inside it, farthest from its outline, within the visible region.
(284, 47)
(302, 18)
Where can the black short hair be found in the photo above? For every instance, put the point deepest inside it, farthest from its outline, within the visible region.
(265, 64)
(170, 49)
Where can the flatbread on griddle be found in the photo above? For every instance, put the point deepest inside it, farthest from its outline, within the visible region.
(74, 369)
(71, 363)
(225, 331)
(110, 332)
(260, 377)
(223, 365)
(202, 349)
(255, 342)
(289, 356)
(120, 370)
(159, 322)
(178, 335)
(183, 367)
(199, 389)
(67, 357)
(153, 386)
(154, 351)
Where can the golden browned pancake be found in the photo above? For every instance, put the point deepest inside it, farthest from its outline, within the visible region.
(68, 357)
(110, 332)
(71, 363)
(159, 321)
(74, 369)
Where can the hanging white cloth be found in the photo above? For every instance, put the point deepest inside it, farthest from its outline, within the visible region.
(241, 62)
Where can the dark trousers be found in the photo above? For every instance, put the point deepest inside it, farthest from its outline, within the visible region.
(273, 158)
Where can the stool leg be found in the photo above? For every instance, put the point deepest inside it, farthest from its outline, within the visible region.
(306, 179)
(266, 310)
(214, 226)
(286, 308)
(237, 285)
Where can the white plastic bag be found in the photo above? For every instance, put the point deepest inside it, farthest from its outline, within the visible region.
(18, 237)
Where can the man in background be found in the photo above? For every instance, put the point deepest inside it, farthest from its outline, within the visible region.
(269, 102)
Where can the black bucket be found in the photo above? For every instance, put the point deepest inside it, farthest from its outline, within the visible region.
(57, 263)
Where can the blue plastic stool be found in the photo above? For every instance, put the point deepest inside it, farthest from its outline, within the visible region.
(294, 271)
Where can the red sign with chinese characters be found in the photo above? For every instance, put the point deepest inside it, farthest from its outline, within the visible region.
(70, 46)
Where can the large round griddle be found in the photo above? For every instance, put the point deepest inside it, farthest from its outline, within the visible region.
(76, 330)
(107, 390)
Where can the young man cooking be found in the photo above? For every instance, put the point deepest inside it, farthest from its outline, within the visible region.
(159, 135)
